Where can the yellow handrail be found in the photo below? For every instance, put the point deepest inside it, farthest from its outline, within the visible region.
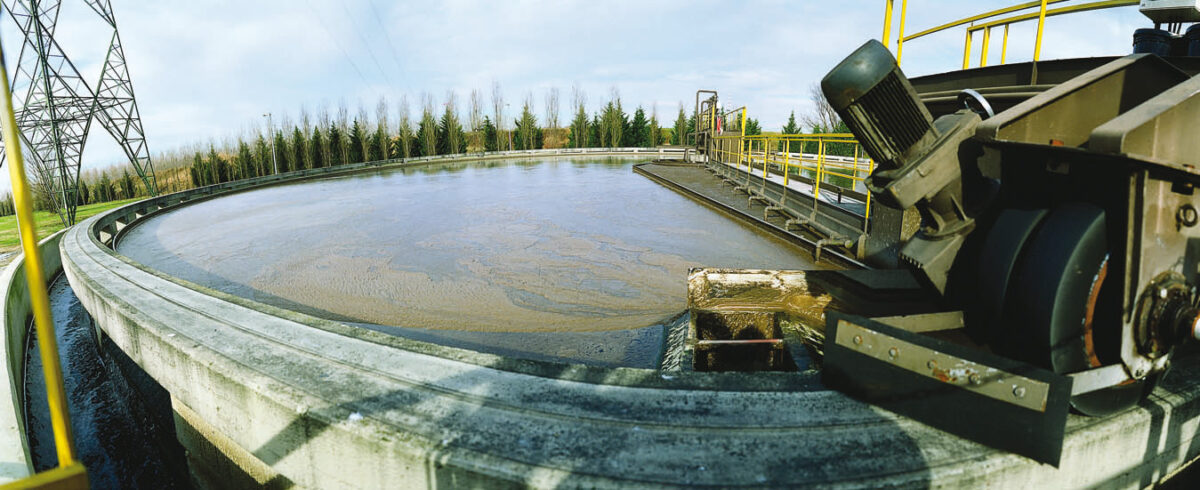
(69, 470)
(986, 27)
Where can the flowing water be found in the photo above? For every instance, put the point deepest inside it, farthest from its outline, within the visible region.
(473, 254)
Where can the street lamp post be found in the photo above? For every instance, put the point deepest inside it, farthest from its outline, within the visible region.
(271, 136)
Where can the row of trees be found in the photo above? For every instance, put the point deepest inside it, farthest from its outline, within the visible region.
(331, 142)
(328, 139)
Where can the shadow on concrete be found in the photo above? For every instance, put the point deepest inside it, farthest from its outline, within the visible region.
(785, 451)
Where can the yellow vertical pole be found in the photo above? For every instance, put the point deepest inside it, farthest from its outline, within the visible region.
(56, 398)
(987, 39)
(855, 163)
(742, 140)
(787, 156)
(1037, 44)
(967, 50)
(900, 36)
(766, 156)
(820, 167)
(887, 22)
(1004, 45)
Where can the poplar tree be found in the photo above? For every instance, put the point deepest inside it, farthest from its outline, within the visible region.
(404, 136)
(679, 133)
(262, 156)
(427, 131)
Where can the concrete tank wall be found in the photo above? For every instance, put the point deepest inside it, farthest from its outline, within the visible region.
(275, 397)
(15, 460)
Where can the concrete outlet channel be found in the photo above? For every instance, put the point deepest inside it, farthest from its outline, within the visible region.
(267, 396)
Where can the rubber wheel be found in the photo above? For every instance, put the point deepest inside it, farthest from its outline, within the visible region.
(1063, 311)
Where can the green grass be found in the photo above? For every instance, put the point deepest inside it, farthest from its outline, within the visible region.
(47, 223)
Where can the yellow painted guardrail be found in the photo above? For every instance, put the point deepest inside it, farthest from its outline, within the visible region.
(986, 25)
(69, 473)
(834, 156)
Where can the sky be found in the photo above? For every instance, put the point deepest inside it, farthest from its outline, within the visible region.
(206, 71)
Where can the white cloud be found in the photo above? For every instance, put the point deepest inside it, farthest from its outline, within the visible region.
(205, 70)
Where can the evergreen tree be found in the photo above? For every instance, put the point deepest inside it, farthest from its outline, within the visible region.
(752, 127)
(637, 134)
(791, 128)
(126, 185)
(377, 149)
(299, 148)
(526, 130)
(199, 174)
(489, 135)
(357, 136)
(319, 148)
(81, 194)
(337, 142)
(599, 135)
(282, 156)
(245, 161)
(679, 135)
(213, 165)
(450, 136)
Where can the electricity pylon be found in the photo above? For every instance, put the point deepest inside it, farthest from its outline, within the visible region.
(57, 106)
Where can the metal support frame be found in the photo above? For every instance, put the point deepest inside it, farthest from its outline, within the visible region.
(58, 106)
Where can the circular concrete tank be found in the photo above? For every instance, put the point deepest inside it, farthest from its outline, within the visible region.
(574, 259)
(283, 397)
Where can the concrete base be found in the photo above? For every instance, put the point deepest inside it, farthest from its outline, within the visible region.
(292, 399)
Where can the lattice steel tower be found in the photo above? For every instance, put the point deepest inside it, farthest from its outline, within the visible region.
(56, 106)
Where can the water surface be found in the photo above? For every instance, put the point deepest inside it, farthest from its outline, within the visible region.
(535, 245)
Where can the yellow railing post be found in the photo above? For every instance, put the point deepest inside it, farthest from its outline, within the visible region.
(742, 140)
(820, 167)
(967, 50)
(1037, 44)
(987, 39)
(855, 162)
(1004, 45)
(887, 22)
(766, 156)
(787, 156)
(56, 398)
(900, 36)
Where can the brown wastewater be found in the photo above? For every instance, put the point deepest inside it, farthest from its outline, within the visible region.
(575, 259)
